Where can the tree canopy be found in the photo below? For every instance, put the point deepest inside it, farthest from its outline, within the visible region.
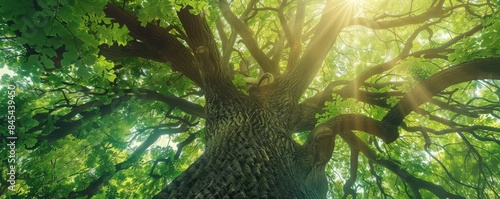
(111, 96)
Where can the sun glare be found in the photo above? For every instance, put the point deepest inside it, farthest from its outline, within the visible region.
(355, 2)
(354, 6)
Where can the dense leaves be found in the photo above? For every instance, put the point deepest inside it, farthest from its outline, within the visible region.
(110, 103)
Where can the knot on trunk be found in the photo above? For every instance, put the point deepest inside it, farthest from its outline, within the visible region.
(324, 141)
(202, 50)
(316, 153)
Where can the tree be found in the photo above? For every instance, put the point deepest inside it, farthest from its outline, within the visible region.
(251, 99)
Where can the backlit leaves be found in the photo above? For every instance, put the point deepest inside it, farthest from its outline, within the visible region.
(100, 107)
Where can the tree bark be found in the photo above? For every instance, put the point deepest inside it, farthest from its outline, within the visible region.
(250, 154)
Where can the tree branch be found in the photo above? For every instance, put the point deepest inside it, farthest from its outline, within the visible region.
(64, 126)
(97, 184)
(292, 40)
(353, 174)
(407, 177)
(132, 49)
(354, 85)
(202, 41)
(349, 122)
(335, 17)
(433, 12)
(165, 44)
(423, 92)
(315, 104)
(227, 43)
(172, 101)
(308, 109)
(248, 39)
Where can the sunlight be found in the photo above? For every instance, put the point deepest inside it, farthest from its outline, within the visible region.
(348, 8)
(5, 71)
(421, 95)
(356, 3)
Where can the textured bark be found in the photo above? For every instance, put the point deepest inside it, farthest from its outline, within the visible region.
(249, 150)
(250, 154)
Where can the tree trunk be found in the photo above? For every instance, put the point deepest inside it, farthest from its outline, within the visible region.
(250, 154)
(249, 150)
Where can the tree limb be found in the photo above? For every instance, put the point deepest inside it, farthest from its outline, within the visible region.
(313, 105)
(97, 184)
(165, 44)
(172, 101)
(335, 17)
(433, 12)
(423, 92)
(403, 55)
(248, 39)
(397, 169)
(348, 122)
(308, 109)
(132, 49)
(353, 174)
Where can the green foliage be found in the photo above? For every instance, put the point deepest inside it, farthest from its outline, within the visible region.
(485, 45)
(82, 115)
(157, 9)
(420, 69)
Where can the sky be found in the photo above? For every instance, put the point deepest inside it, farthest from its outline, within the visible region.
(5, 70)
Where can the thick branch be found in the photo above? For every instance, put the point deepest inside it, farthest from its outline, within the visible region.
(353, 174)
(293, 41)
(202, 41)
(227, 43)
(248, 39)
(335, 17)
(172, 101)
(423, 92)
(416, 182)
(132, 49)
(349, 122)
(308, 109)
(200, 34)
(295, 36)
(165, 44)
